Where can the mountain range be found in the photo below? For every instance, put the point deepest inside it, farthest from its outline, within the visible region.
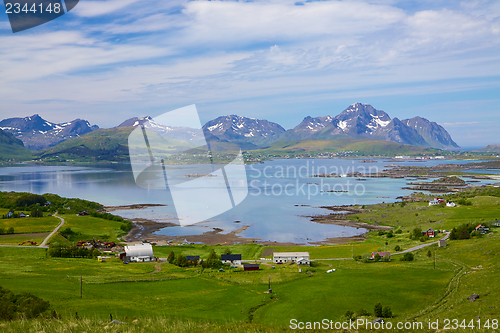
(37, 133)
(357, 122)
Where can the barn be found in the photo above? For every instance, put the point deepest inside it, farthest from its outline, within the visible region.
(139, 253)
(251, 267)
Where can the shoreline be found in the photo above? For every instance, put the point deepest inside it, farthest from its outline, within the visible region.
(144, 229)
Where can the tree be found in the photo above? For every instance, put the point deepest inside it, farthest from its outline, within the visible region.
(429, 254)
(349, 314)
(376, 257)
(386, 312)
(227, 251)
(362, 312)
(171, 257)
(416, 233)
(377, 310)
(181, 261)
(397, 248)
(212, 255)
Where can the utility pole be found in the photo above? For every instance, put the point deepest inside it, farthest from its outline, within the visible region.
(434, 259)
(80, 286)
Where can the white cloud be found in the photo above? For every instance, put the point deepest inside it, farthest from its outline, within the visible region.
(97, 8)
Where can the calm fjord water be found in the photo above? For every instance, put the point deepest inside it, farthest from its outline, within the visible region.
(281, 193)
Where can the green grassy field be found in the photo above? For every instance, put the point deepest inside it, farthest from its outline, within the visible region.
(196, 299)
(88, 227)
(31, 224)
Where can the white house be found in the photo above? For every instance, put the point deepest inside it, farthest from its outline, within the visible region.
(232, 259)
(433, 203)
(450, 204)
(301, 258)
(139, 252)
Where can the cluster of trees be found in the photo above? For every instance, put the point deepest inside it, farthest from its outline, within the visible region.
(16, 306)
(213, 260)
(72, 252)
(36, 212)
(378, 311)
(8, 231)
(466, 231)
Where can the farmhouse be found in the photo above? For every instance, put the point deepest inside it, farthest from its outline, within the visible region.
(429, 232)
(482, 229)
(9, 215)
(436, 201)
(301, 258)
(194, 259)
(83, 213)
(139, 253)
(450, 204)
(251, 267)
(22, 215)
(381, 254)
(233, 259)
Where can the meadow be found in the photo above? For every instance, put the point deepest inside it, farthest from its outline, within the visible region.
(149, 295)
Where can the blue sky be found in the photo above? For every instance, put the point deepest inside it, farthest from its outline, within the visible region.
(280, 60)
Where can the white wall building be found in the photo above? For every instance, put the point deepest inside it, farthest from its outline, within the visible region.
(301, 258)
(139, 252)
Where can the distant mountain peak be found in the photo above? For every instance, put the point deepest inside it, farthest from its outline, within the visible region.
(37, 133)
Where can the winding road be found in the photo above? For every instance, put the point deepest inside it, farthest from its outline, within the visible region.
(44, 243)
(418, 247)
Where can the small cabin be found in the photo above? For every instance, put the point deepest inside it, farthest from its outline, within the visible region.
(429, 232)
(381, 254)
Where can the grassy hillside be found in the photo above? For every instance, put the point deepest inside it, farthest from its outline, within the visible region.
(106, 145)
(12, 149)
(359, 146)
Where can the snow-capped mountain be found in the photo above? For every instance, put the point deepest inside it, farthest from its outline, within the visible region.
(177, 133)
(36, 133)
(364, 121)
(241, 129)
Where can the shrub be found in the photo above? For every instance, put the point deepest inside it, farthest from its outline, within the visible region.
(19, 306)
(397, 248)
(363, 312)
(429, 254)
(408, 256)
(386, 312)
(390, 234)
(377, 310)
(399, 231)
(424, 238)
(349, 314)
